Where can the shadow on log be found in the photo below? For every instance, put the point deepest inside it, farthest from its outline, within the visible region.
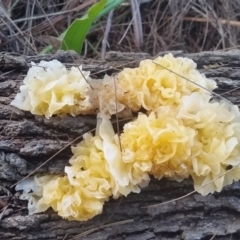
(26, 141)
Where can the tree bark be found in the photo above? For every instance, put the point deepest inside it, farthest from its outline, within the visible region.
(26, 141)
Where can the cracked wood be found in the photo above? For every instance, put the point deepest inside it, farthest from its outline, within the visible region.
(26, 141)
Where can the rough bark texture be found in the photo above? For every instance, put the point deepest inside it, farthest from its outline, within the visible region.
(26, 141)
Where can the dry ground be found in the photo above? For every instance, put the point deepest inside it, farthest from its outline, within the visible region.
(26, 27)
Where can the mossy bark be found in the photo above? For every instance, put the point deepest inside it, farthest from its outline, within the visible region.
(26, 141)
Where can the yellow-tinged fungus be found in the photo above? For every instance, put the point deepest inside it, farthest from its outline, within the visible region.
(97, 172)
(160, 142)
(221, 148)
(33, 192)
(101, 157)
(150, 85)
(198, 138)
(184, 133)
(71, 202)
(49, 88)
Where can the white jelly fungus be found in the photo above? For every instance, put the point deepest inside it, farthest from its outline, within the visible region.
(182, 133)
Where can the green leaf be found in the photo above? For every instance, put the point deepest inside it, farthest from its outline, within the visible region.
(111, 4)
(76, 33)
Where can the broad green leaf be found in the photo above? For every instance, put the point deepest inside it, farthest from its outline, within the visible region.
(76, 33)
(111, 4)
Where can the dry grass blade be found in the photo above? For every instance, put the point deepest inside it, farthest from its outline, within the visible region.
(106, 34)
(63, 40)
(204, 20)
(101, 227)
(65, 237)
(6, 73)
(164, 25)
(227, 92)
(69, 144)
(6, 191)
(49, 159)
(137, 23)
(3, 211)
(182, 197)
(2, 204)
(45, 26)
(125, 32)
(226, 49)
(33, 51)
(189, 194)
(16, 35)
(213, 237)
(50, 14)
(108, 219)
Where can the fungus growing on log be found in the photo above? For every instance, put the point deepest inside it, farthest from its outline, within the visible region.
(182, 132)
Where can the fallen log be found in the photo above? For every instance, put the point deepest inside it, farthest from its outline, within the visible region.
(26, 141)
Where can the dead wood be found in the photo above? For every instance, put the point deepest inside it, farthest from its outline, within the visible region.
(26, 141)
